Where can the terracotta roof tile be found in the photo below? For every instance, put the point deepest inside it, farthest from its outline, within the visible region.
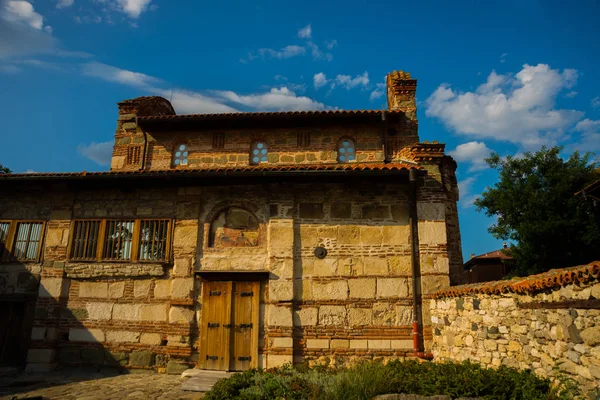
(270, 114)
(530, 284)
(226, 169)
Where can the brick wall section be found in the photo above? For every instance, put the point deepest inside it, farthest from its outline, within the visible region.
(548, 323)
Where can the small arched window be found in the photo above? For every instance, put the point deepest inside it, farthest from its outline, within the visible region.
(234, 227)
(346, 151)
(180, 155)
(258, 153)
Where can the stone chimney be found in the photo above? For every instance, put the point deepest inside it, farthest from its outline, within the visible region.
(401, 91)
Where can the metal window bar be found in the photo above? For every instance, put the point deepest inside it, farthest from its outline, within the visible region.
(85, 240)
(4, 227)
(27, 243)
(153, 240)
(118, 240)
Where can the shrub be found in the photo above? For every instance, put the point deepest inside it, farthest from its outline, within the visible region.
(368, 379)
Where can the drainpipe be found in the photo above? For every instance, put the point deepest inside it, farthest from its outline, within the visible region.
(145, 146)
(417, 325)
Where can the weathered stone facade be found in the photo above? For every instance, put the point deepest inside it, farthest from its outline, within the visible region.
(356, 300)
(548, 323)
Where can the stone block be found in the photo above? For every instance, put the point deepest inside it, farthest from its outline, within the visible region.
(153, 312)
(99, 311)
(122, 337)
(281, 290)
(359, 344)
(348, 234)
(141, 359)
(54, 237)
(360, 316)
(69, 355)
(332, 315)
(279, 316)
(181, 315)
(41, 355)
(375, 266)
(434, 264)
(341, 210)
(141, 288)
(404, 315)
(38, 333)
(150, 338)
(282, 342)
(396, 235)
(308, 236)
(362, 288)
(400, 214)
(340, 344)
(306, 317)
(433, 283)
(93, 289)
(379, 344)
(86, 335)
(325, 267)
(402, 344)
(79, 314)
(303, 289)
(431, 211)
(176, 368)
(392, 287)
(400, 265)
(182, 288)
(591, 336)
(116, 358)
(330, 290)
(186, 236)
(278, 360)
(182, 267)
(283, 268)
(162, 289)
(317, 343)
(126, 312)
(281, 235)
(371, 235)
(384, 314)
(51, 287)
(432, 233)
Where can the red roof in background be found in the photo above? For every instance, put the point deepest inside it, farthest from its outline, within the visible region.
(500, 255)
(299, 168)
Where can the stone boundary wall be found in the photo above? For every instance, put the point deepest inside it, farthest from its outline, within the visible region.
(549, 323)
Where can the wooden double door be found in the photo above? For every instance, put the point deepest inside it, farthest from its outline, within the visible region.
(229, 328)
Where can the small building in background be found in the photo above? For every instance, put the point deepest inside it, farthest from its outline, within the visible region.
(491, 266)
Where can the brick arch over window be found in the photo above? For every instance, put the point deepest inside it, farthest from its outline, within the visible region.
(346, 150)
(234, 226)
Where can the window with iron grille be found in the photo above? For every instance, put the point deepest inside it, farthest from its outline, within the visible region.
(120, 240)
(20, 240)
(218, 140)
(133, 155)
(303, 139)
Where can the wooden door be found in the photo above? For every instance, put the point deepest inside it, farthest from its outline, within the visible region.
(216, 328)
(244, 342)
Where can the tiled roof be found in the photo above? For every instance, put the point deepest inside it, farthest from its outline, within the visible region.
(222, 169)
(498, 254)
(530, 284)
(269, 114)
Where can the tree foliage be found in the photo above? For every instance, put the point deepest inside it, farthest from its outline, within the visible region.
(4, 170)
(536, 207)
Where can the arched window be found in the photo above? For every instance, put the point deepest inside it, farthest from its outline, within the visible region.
(234, 227)
(180, 155)
(258, 153)
(346, 151)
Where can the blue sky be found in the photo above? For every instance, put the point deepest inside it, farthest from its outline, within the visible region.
(505, 76)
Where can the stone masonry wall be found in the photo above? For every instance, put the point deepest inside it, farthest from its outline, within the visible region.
(551, 325)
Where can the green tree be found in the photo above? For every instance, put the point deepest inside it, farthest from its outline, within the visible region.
(536, 207)
(4, 170)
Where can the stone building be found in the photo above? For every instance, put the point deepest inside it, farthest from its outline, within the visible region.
(230, 241)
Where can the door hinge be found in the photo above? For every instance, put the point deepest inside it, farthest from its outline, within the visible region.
(244, 358)
(213, 324)
(212, 358)
(214, 293)
(246, 294)
(245, 326)
(227, 326)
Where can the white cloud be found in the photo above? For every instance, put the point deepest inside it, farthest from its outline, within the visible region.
(305, 33)
(472, 152)
(503, 57)
(590, 135)
(100, 153)
(23, 11)
(118, 75)
(87, 19)
(9, 69)
(284, 53)
(133, 8)
(277, 99)
(330, 44)
(465, 188)
(596, 102)
(317, 54)
(571, 94)
(64, 3)
(189, 102)
(320, 80)
(347, 82)
(519, 109)
(280, 78)
(378, 92)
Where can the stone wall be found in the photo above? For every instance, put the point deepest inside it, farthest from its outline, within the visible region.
(549, 323)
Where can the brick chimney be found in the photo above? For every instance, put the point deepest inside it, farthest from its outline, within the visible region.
(401, 91)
